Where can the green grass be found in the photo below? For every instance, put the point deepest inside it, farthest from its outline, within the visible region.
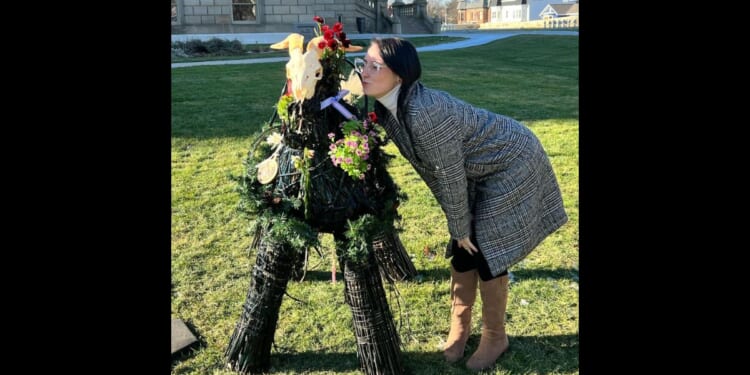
(215, 112)
(257, 50)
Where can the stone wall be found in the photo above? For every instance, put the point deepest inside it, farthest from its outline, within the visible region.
(215, 16)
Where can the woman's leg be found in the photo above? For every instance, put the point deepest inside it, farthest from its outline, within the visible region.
(494, 340)
(464, 278)
(463, 295)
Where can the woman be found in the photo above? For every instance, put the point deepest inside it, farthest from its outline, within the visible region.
(490, 175)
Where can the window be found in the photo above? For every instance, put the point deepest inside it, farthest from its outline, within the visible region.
(174, 11)
(243, 10)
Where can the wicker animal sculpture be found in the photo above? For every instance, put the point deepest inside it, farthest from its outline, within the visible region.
(297, 185)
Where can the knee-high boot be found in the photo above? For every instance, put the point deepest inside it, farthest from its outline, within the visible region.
(463, 295)
(494, 341)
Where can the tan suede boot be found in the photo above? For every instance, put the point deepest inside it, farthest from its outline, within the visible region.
(494, 341)
(463, 295)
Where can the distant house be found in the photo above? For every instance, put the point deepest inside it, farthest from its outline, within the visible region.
(521, 10)
(251, 16)
(473, 11)
(559, 10)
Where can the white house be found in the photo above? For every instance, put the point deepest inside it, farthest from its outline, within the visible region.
(523, 10)
(559, 10)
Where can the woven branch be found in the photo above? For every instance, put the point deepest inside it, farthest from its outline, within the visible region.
(378, 342)
(393, 260)
(326, 199)
(249, 348)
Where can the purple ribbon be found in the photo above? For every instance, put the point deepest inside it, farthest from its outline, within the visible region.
(334, 100)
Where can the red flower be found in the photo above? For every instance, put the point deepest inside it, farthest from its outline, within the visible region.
(333, 37)
(373, 117)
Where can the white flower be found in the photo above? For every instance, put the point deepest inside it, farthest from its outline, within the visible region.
(274, 139)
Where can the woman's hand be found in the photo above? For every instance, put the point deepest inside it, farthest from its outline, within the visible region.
(465, 243)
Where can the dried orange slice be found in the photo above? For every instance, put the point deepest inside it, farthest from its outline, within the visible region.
(267, 170)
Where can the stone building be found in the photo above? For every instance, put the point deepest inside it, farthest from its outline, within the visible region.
(259, 16)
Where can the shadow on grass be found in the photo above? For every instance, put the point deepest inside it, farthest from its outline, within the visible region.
(191, 349)
(444, 274)
(434, 274)
(527, 354)
(545, 273)
(320, 276)
(426, 275)
(303, 362)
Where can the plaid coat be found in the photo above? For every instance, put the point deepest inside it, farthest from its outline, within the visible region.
(489, 173)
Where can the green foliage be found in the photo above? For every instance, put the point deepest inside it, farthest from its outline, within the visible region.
(221, 47)
(211, 47)
(282, 107)
(359, 236)
(284, 229)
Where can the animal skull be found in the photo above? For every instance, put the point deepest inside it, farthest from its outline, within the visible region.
(304, 70)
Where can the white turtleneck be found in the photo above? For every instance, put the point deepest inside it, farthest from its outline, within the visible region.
(390, 100)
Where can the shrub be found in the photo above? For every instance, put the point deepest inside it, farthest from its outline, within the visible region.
(212, 47)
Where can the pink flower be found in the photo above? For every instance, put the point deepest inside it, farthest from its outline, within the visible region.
(352, 152)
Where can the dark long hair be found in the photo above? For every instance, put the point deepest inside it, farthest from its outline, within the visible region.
(401, 57)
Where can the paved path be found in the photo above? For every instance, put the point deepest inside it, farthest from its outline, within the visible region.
(473, 39)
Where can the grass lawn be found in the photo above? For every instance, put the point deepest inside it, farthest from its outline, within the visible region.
(216, 110)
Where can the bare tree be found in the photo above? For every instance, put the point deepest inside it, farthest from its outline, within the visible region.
(436, 8)
(451, 9)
